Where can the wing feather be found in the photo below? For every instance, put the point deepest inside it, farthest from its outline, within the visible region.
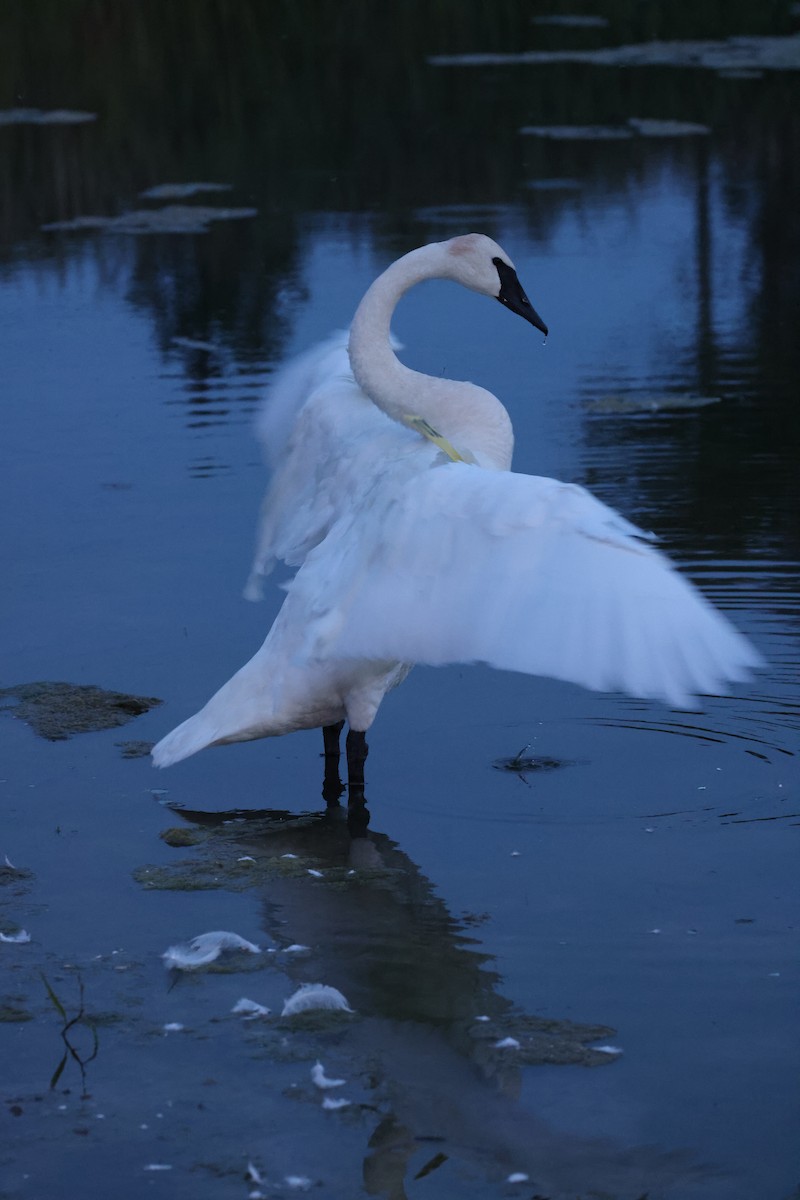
(460, 564)
(326, 443)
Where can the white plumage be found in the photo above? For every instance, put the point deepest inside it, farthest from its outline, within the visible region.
(519, 572)
(416, 544)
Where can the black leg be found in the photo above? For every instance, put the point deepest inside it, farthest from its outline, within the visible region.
(332, 786)
(357, 812)
(330, 738)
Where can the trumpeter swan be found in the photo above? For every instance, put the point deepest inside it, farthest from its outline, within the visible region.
(416, 544)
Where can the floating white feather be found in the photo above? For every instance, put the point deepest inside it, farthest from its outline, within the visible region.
(204, 949)
(19, 938)
(322, 1080)
(249, 1009)
(315, 995)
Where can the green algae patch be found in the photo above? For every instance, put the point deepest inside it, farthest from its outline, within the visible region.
(235, 872)
(522, 764)
(58, 711)
(632, 405)
(173, 218)
(541, 1041)
(15, 876)
(230, 869)
(182, 835)
(134, 749)
(239, 851)
(182, 877)
(12, 1013)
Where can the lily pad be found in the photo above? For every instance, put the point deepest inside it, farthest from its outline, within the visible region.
(631, 404)
(740, 73)
(554, 185)
(174, 218)
(578, 133)
(57, 711)
(633, 127)
(179, 191)
(572, 21)
(752, 53)
(648, 127)
(35, 116)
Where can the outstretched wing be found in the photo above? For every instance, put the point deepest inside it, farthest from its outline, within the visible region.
(461, 565)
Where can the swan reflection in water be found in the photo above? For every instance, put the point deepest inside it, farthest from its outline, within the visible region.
(415, 543)
(436, 1094)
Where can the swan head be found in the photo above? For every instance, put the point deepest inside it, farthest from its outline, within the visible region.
(478, 263)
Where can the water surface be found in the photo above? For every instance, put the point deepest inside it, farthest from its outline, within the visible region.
(648, 882)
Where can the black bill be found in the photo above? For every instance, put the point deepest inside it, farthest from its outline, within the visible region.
(512, 295)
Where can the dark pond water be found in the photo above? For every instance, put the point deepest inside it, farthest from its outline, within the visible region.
(645, 886)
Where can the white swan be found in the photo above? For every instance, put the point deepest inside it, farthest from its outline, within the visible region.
(417, 544)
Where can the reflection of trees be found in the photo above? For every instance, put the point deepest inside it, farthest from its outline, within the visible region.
(297, 103)
(741, 472)
(299, 106)
(724, 472)
(302, 105)
(313, 107)
(191, 286)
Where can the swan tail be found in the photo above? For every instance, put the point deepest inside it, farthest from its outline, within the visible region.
(243, 709)
(185, 740)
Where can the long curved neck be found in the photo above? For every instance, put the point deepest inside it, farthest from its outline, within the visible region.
(457, 410)
(389, 384)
